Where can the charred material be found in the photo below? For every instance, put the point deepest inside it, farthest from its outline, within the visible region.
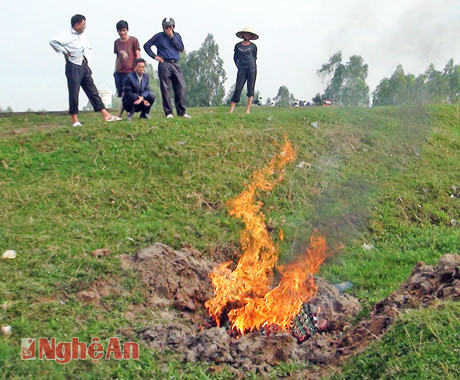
(306, 324)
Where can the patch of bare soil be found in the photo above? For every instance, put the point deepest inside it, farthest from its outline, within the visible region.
(99, 290)
(24, 130)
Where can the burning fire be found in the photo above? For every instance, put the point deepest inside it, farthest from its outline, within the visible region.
(245, 294)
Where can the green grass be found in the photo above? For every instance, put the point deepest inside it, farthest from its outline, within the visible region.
(382, 176)
(422, 344)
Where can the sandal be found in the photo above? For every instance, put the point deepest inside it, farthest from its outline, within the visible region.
(114, 118)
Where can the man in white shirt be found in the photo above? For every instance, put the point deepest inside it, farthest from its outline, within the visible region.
(75, 46)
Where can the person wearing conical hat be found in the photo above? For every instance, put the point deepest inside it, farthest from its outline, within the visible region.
(245, 58)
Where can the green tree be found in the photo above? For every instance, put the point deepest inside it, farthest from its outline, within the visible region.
(317, 100)
(452, 75)
(400, 89)
(204, 75)
(345, 84)
(284, 98)
(355, 90)
(436, 85)
(331, 73)
(391, 91)
(415, 90)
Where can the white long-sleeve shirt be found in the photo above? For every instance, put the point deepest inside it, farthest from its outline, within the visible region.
(77, 45)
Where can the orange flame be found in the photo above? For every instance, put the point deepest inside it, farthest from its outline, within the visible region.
(245, 291)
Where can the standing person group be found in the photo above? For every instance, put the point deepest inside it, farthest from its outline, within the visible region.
(131, 80)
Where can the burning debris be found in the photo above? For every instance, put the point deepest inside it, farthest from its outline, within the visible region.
(195, 335)
(245, 295)
(306, 324)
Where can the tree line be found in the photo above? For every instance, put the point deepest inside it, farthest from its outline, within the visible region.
(345, 83)
(432, 86)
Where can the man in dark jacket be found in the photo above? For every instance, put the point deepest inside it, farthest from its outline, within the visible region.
(169, 46)
(137, 96)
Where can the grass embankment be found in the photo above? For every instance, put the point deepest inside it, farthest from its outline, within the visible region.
(384, 176)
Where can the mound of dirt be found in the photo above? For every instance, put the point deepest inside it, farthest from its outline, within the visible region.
(175, 277)
(179, 285)
(180, 279)
(425, 285)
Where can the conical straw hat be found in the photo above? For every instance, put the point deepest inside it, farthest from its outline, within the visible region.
(249, 30)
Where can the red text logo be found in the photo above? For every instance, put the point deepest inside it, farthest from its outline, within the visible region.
(64, 352)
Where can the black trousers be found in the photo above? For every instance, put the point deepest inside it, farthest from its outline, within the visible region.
(171, 74)
(244, 75)
(80, 75)
(129, 106)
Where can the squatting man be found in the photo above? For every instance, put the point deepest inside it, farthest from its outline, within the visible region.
(137, 96)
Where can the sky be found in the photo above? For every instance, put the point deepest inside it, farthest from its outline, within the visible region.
(296, 38)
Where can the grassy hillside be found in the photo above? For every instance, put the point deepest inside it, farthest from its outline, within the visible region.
(387, 177)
